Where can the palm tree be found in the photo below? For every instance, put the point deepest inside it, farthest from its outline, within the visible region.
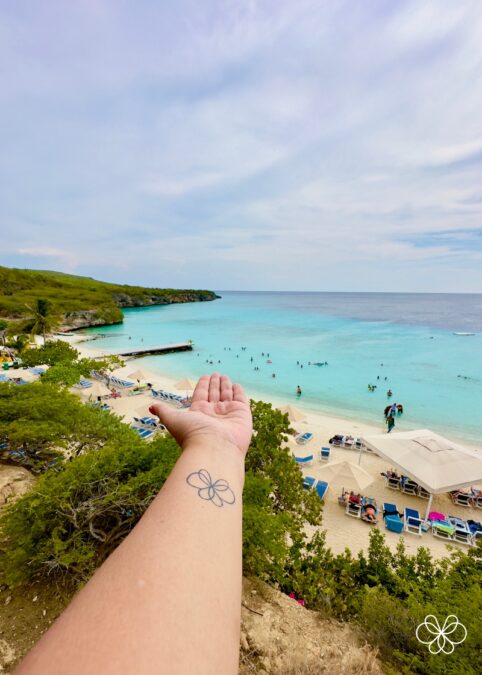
(44, 320)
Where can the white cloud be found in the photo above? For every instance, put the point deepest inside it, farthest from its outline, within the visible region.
(225, 140)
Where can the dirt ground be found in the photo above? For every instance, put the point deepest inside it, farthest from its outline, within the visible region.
(25, 614)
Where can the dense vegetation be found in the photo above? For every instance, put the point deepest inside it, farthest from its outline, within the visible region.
(68, 294)
(81, 509)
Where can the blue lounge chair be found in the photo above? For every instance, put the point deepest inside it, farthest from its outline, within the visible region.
(475, 528)
(37, 370)
(308, 482)
(301, 439)
(325, 454)
(392, 520)
(321, 488)
(143, 433)
(412, 522)
(304, 461)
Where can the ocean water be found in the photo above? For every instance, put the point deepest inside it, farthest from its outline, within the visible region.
(405, 340)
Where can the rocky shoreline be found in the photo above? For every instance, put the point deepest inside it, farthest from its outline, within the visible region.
(88, 318)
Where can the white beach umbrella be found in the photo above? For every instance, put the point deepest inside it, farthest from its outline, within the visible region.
(97, 389)
(346, 474)
(187, 384)
(294, 414)
(139, 375)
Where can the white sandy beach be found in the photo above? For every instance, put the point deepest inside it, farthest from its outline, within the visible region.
(341, 531)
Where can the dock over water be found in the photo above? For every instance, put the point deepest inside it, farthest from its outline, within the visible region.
(150, 351)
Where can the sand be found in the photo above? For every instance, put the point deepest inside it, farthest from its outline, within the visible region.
(342, 531)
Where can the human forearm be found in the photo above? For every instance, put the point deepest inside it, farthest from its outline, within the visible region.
(175, 583)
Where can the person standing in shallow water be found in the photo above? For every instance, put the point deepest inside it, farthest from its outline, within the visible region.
(390, 423)
(298, 390)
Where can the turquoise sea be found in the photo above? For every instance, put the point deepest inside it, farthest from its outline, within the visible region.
(405, 340)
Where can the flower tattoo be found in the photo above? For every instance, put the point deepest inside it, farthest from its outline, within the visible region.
(219, 492)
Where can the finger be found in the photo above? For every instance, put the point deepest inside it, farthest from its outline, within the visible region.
(165, 413)
(226, 388)
(214, 388)
(239, 395)
(201, 391)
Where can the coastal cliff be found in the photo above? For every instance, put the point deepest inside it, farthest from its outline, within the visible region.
(81, 302)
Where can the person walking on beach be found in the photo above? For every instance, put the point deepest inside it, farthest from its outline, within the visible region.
(390, 423)
(168, 599)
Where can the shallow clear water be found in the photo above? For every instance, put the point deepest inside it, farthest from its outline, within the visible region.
(410, 334)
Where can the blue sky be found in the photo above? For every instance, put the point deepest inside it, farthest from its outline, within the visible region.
(277, 145)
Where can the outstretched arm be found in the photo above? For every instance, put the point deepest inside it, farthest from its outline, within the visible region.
(168, 599)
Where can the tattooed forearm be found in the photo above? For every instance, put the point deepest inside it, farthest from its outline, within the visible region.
(218, 492)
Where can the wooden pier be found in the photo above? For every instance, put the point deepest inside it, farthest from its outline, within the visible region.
(151, 351)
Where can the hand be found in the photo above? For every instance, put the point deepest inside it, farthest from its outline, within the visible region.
(219, 410)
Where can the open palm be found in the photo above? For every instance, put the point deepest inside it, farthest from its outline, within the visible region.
(219, 409)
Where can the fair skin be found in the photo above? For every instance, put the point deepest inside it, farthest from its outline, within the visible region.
(168, 599)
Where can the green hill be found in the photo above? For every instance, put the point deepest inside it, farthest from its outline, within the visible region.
(82, 301)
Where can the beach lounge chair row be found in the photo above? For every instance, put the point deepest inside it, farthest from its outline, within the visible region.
(405, 484)
(350, 442)
(118, 382)
(167, 396)
(469, 499)
(320, 486)
(450, 528)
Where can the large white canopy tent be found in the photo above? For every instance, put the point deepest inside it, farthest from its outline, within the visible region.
(432, 461)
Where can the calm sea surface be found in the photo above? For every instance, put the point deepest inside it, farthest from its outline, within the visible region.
(405, 340)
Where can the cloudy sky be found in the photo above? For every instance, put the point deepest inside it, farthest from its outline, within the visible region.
(243, 144)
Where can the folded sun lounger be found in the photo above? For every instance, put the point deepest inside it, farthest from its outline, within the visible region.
(412, 522)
